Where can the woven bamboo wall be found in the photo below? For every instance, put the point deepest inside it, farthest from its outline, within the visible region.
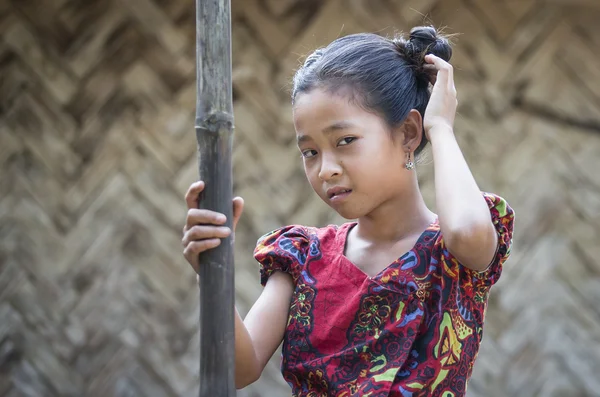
(97, 148)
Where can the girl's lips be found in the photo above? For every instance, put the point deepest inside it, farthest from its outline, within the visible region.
(340, 196)
(336, 191)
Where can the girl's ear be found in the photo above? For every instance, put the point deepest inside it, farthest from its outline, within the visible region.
(411, 131)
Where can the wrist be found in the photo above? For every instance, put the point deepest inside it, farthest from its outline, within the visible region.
(439, 130)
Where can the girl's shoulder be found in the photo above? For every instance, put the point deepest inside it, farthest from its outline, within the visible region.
(300, 234)
(287, 248)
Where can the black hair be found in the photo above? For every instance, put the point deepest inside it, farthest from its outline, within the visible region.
(385, 75)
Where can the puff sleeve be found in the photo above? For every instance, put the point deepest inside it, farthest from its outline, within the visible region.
(284, 249)
(503, 219)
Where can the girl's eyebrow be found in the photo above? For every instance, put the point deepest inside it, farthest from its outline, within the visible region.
(337, 126)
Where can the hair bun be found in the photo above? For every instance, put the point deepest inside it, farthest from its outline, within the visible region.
(425, 40)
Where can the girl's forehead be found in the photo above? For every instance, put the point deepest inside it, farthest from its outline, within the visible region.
(319, 105)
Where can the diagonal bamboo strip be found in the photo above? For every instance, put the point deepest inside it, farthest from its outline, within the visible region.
(214, 134)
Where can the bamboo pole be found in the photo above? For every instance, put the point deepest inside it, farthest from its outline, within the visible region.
(214, 134)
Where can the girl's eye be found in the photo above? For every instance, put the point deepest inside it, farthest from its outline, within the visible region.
(309, 153)
(345, 141)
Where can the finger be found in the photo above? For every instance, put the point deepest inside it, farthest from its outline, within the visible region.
(197, 216)
(193, 261)
(192, 258)
(198, 233)
(191, 197)
(445, 73)
(192, 250)
(438, 62)
(431, 72)
(197, 247)
(238, 208)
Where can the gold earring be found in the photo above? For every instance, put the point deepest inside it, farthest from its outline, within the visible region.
(410, 165)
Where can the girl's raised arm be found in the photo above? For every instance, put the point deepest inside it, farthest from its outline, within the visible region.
(465, 218)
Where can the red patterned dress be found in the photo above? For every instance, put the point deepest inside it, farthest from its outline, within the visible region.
(414, 329)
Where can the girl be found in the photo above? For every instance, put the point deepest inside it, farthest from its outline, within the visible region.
(393, 303)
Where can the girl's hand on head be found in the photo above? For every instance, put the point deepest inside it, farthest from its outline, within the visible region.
(442, 105)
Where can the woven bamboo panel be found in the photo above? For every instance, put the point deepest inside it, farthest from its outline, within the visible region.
(97, 148)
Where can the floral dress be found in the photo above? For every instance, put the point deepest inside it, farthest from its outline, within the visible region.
(414, 329)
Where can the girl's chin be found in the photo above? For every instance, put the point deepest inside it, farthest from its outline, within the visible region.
(345, 207)
(349, 213)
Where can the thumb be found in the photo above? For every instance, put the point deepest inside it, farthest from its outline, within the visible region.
(238, 208)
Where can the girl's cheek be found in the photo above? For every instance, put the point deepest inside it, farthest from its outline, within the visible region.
(312, 173)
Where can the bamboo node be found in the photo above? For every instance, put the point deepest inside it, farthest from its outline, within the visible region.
(215, 122)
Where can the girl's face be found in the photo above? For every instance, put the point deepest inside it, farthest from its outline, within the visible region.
(349, 155)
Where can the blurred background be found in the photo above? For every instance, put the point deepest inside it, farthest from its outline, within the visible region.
(97, 148)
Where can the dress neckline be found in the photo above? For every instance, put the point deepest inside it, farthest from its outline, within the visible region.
(342, 240)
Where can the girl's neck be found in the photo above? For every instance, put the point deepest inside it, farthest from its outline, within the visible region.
(403, 216)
